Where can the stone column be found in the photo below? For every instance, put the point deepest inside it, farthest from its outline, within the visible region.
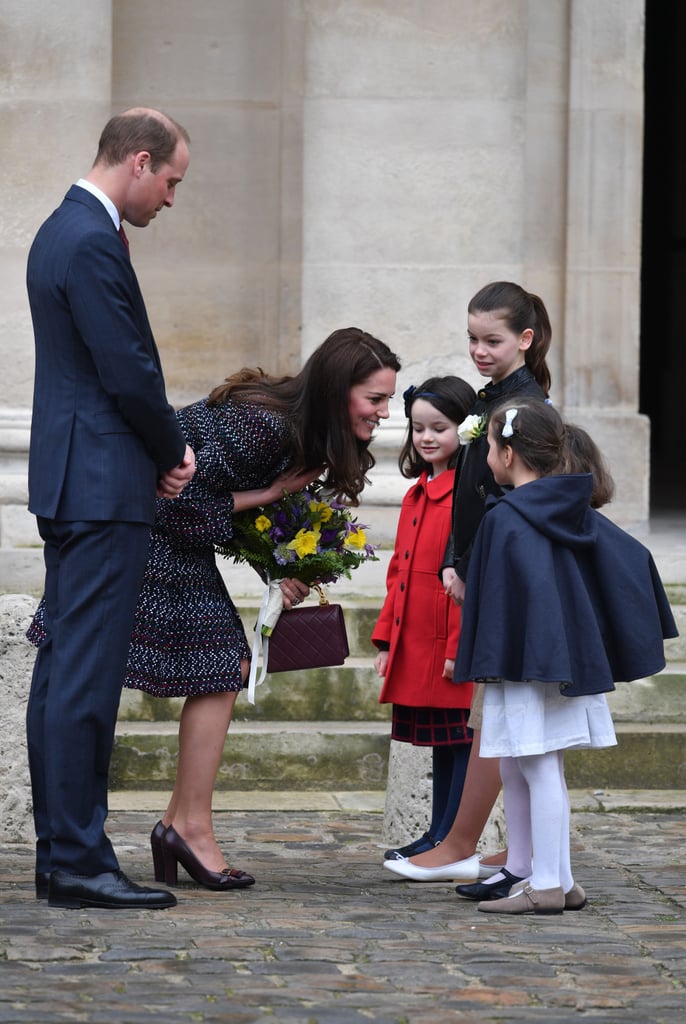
(55, 70)
(604, 167)
(16, 665)
(221, 272)
(55, 62)
(407, 811)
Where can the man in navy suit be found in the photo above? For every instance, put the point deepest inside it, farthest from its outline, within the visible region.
(104, 443)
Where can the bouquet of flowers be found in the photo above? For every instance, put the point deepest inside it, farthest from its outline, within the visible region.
(305, 536)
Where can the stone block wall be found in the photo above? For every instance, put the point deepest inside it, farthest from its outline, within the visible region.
(16, 664)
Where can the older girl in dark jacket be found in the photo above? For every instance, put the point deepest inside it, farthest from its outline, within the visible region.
(509, 337)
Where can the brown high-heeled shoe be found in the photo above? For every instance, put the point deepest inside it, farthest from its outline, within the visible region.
(156, 848)
(176, 851)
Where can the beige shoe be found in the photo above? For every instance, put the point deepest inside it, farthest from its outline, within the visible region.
(575, 899)
(527, 901)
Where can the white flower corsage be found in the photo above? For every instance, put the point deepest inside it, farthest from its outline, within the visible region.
(471, 428)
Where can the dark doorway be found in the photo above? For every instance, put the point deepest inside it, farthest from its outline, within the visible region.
(663, 259)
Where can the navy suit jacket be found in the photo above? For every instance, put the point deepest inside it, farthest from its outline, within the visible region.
(102, 429)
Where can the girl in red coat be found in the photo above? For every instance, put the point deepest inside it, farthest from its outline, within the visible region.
(418, 628)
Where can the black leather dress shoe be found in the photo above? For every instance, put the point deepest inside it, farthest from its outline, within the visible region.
(496, 891)
(42, 880)
(111, 891)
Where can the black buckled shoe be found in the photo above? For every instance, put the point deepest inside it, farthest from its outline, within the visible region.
(496, 891)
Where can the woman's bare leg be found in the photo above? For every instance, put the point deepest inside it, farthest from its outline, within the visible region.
(481, 788)
(205, 721)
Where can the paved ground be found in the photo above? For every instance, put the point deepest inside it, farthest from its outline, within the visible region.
(327, 936)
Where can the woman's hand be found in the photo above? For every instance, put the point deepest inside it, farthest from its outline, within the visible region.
(448, 668)
(289, 482)
(293, 592)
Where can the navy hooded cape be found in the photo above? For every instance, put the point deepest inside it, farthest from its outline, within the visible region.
(557, 593)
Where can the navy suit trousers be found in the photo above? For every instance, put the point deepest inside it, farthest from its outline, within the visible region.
(93, 577)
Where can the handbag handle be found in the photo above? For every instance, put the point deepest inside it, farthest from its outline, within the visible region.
(323, 599)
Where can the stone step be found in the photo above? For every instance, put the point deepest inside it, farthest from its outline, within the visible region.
(658, 699)
(343, 756)
(324, 730)
(346, 692)
(648, 756)
(351, 693)
(261, 755)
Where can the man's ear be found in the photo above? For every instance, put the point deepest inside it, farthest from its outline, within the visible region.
(140, 162)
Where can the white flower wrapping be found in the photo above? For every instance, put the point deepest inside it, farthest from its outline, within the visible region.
(471, 428)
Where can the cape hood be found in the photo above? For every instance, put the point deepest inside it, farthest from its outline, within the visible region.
(557, 593)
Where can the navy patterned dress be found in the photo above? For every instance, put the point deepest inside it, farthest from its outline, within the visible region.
(188, 638)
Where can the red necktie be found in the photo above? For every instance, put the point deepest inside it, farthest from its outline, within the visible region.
(122, 235)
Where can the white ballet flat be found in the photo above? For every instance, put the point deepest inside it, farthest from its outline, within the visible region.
(470, 867)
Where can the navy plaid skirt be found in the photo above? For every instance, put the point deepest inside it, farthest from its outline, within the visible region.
(430, 727)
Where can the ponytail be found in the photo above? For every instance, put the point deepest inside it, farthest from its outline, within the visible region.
(538, 350)
(521, 311)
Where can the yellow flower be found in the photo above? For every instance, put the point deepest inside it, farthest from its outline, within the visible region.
(321, 510)
(262, 523)
(356, 538)
(304, 543)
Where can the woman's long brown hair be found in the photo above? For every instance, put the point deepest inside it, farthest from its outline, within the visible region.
(315, 404)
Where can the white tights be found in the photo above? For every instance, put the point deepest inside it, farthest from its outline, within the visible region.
(536, 805)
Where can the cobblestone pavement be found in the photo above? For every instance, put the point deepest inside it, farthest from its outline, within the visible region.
(327, 936)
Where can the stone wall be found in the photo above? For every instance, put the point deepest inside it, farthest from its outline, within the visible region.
(16, 664)
(363, 162)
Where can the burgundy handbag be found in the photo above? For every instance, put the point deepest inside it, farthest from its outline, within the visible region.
(308, 638)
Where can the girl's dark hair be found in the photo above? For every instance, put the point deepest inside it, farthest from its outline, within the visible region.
(582, 455)
(538, 434)
(451, 396)
(315, 403)
(521, 310)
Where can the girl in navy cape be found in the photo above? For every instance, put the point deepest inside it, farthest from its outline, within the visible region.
(559, 605)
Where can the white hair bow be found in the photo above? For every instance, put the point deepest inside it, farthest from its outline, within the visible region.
(509, 420)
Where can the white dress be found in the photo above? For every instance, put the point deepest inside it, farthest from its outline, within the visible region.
(534, 718)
